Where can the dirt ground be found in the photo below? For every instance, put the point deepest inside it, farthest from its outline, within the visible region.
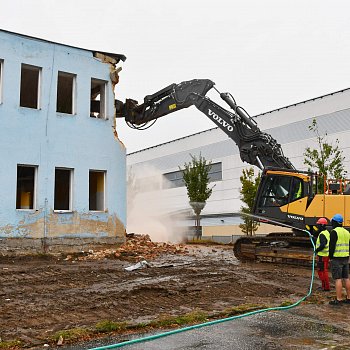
(41, 295)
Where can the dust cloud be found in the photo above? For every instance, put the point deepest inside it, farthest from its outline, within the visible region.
(152, 209)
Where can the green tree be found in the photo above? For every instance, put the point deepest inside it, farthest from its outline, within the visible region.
(250, 184)
(327, 159)
(196, 177)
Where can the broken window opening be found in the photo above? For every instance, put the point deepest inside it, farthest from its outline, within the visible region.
(63, 189)
(65, 93)
(98, 99)
(30, 80)
(25, 196)
(97, 190)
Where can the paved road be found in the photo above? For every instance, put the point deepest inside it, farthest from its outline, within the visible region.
(264, 331)
(268, 331)
(229, 335)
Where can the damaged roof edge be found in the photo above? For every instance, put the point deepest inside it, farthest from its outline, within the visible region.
(116, 56)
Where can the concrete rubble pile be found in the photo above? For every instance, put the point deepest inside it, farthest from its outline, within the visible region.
(137, 247)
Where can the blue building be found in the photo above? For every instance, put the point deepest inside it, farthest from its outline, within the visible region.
(62, 174)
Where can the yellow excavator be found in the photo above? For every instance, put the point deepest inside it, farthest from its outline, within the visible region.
(285, 195)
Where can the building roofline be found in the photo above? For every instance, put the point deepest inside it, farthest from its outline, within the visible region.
(302, 102)
(116, 56)
(274, 110)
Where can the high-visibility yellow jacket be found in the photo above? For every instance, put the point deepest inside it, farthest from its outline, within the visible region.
(325, 250)
(342, 245)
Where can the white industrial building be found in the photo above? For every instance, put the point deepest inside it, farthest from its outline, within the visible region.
(148, 168)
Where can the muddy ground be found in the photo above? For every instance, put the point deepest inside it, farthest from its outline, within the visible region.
(41, 295)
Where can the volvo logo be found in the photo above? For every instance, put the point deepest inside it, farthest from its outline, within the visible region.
(294, 217)
(222, 122)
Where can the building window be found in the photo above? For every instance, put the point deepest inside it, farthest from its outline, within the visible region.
(175, 178)
(1, 64)
(63, 189)
(26, 178)
(30, 86)
(97, 190)
(98, 99)
(65, 93)
(215, 173)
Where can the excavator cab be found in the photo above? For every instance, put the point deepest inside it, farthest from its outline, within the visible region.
(283, 196)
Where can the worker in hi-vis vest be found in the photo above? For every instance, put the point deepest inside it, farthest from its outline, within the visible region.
(322, 252)
(339, 247)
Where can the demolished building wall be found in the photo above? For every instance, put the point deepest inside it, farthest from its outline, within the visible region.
(63, 168)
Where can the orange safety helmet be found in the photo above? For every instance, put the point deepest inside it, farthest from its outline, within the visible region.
(322, 221)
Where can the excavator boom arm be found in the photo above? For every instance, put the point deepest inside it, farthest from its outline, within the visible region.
(255, 147)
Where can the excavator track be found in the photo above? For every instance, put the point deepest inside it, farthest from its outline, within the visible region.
(278, 248)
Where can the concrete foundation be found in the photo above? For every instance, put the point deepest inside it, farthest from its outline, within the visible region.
(25, 246)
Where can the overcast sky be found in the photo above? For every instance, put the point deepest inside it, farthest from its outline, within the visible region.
(267, 54)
